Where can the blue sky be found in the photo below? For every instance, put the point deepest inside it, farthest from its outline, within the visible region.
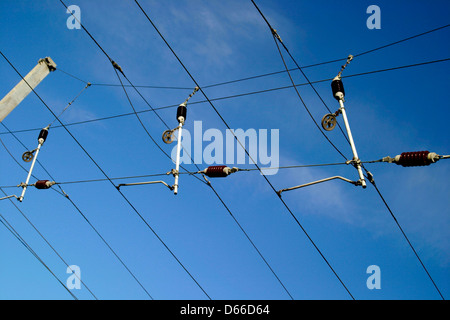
(389, 112)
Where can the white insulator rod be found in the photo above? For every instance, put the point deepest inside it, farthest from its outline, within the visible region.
(352, 143)
(177, 164)
(30, 172)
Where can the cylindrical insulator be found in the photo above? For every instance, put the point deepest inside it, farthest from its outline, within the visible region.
(181, 111)
(414, 159)
(217, 171)
(43, 184)
(43, 135)
(338, 89)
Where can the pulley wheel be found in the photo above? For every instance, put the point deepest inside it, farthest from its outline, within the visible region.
(27, 156)
(329, 122)
(167, 136)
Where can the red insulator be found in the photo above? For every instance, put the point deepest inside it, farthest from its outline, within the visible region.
(414, 159)
(43, 184)
(216, 172)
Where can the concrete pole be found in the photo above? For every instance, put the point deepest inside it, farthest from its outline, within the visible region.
(24, 87)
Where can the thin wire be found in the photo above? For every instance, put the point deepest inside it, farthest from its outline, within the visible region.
(69, 104)
(11, 229)
(223, 120)
(120, 85)
(48, 243)
(400, 41)
(372, 181)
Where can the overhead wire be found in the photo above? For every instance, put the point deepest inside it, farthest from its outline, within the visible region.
(69, 104)
(11, 229)
(49, 244)
(303, 101)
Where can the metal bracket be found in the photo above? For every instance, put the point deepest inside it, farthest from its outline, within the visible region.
(141, 183)
(356, 183)
(11, 196)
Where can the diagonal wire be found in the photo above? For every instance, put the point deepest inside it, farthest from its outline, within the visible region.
(11, 229)
(372, 181)
(208, 182)
(48, 243)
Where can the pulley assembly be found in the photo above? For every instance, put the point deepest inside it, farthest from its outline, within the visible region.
(32, 156)
(168, 137)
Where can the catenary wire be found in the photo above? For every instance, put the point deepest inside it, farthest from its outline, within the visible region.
(11, 229)
(372, 181)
